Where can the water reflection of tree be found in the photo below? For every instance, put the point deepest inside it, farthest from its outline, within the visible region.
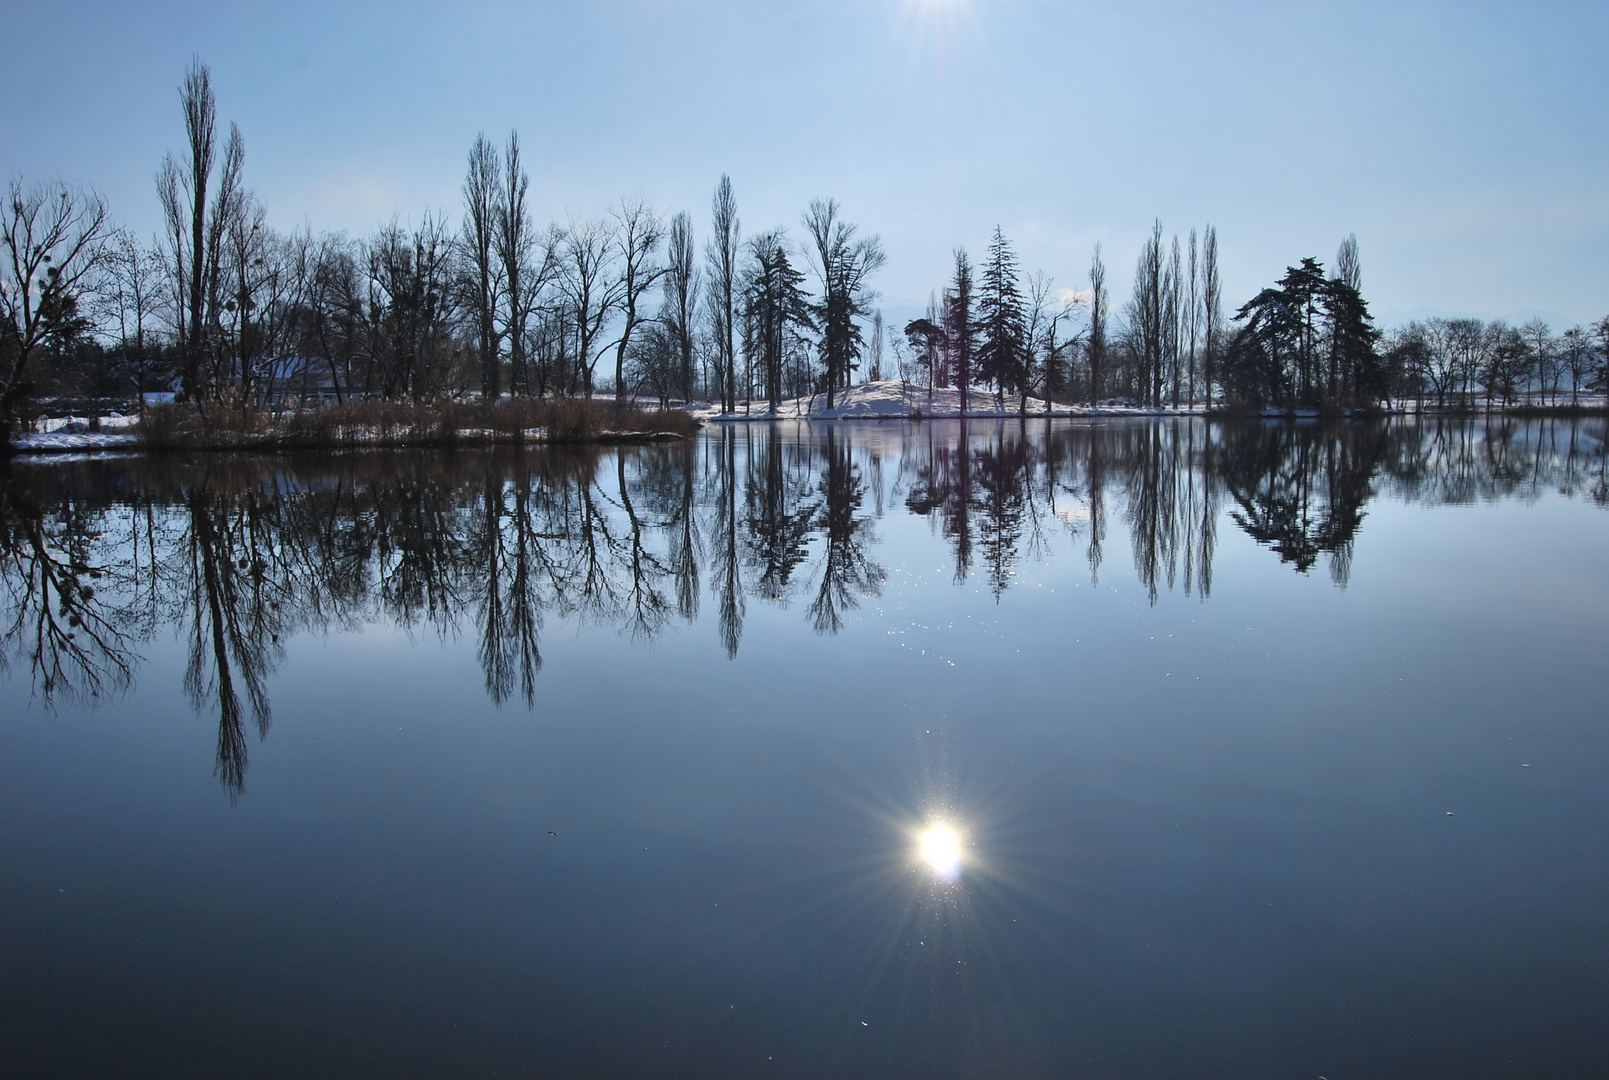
(75, 647)
(846, 571)
(405, 538)
(941, 487)
(1004, 497)
(652, 515)
(779, 515)
(237, 554)
(1300, 490)
(1172, 502)
(1453, 461)
(237, 587)
(684, 534)
(726, 571)
(504, 542)
(607, 546)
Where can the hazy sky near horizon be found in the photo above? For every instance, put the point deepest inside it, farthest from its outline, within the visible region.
(1466, 144)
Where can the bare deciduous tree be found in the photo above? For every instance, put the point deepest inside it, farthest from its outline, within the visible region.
(721, 255)
(590, 290)
(1145, 315)
(184, 194)
(1045, 364)
(1192, 320)
(637, 233)
(1098, 316)
(195, 232)
(1575, 347)
(681, 287)
(479, 242)
(1211, 306)
(1172, 316)
(843, 265)
(1544, 348)
(523, 278)
(412, 310)
(133, 281)
(1348, 268)
(52, 239)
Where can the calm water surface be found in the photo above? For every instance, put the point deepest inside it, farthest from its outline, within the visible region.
(1270, 750)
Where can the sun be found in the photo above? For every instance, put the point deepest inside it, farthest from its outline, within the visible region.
(936, 7)
(940, 848)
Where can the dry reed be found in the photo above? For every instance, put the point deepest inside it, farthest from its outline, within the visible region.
(402, 423)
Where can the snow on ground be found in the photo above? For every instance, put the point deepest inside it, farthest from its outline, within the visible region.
(53, 442)
(65, 434)
(71, 425)
(892, 399)
(72, 441)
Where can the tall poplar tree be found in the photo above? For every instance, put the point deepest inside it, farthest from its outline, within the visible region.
(721, 254)
(1145, 314)
(478, 243)
(680, 287)
(1099, 315)
(516, 242)
(194, 234)
(1211, 307)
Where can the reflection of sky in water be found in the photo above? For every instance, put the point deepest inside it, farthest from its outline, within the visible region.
(1204, 826)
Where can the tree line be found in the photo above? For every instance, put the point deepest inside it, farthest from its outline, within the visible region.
(1306, 342)
(994, 328)
(222, 307)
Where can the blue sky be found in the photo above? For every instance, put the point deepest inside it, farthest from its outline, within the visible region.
(1466, 144)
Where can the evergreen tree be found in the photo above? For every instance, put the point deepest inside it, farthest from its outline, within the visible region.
(1356, 371)
(1600, 329)
(926, 339)
(1257, 366)
(959, 330)
(775, 307)
(1002, 351)
(1303, 288)
(1306, 341)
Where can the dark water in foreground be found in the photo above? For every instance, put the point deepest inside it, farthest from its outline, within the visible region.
(1271, 750)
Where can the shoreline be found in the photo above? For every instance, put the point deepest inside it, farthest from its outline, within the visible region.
(560, 422)
(95, 444)
(893, 400)
(133, 444)
(358, 425)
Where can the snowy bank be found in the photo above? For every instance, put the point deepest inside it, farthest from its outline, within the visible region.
(53, 442)
(894, 400)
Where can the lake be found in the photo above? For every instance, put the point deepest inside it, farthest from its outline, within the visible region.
(1138, 748)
